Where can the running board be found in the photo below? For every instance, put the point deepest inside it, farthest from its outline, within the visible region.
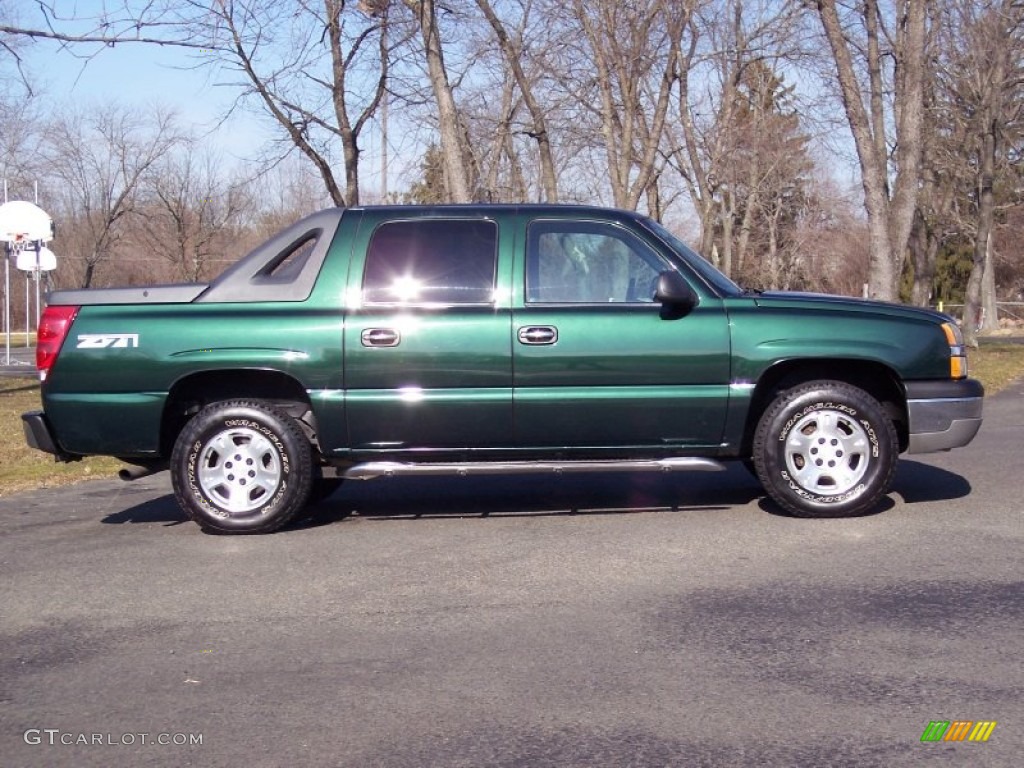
(375, 469)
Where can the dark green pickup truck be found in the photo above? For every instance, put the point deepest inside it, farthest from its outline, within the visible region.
(456, 340)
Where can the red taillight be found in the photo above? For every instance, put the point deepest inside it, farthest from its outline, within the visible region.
(53, 327)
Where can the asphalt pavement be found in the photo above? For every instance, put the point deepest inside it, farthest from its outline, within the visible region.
(17, 361)
(619, 620)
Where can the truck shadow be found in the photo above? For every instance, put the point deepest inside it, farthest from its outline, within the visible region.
(536, 495)
(162, 509)
(530, 496)
(917, 482)
(543, 495)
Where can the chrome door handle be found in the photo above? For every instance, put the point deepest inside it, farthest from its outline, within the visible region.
(380, 337)
(538, 335)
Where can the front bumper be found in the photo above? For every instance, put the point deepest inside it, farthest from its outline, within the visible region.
(943, 414)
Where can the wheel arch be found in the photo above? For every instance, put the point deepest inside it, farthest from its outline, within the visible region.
(191, 393)
(875, 378)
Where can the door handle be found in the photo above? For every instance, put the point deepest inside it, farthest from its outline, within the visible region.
(380, 337)
(538, 335)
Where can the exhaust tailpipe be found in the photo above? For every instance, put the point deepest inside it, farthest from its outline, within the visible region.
(136, 471)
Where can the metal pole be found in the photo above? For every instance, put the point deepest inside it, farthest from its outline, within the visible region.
(7, 304)
(27, 307)
(384, 147)
(7, 291)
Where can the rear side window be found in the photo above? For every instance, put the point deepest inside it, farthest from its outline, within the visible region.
(431, 261)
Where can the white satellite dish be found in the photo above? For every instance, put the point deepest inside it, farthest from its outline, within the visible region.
(22, 221)
(30, 260)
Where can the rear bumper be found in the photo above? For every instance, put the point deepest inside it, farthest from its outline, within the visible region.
(943, 414)
(39, 435)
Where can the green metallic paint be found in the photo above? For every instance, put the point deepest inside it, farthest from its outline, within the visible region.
(176, 341)
(622, 376)
(445, 384)
(621, 380)
(765, 333)
(114, 424)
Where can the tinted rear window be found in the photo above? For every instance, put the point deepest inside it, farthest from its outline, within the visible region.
(433, 261)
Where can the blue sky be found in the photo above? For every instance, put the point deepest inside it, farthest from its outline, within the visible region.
(138, 74)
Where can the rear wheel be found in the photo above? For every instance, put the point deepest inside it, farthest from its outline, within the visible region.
(825, 449)
(241, 467)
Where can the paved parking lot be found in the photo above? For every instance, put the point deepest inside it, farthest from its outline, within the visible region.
(612, 621)
(19, 361)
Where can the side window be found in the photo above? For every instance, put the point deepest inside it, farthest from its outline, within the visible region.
(289, 265)
(431, 261)
(588, 263)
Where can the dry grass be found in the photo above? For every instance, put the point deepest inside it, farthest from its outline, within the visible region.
(22, 467)
(997, 365)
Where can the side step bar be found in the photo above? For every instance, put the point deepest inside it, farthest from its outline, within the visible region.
(375, 469)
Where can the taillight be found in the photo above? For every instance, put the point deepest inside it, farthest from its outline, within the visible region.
(53, 328)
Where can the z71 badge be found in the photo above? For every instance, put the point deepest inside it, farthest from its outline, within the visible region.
(107, 340)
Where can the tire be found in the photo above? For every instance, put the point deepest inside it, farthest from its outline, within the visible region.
(825, 449)
(268, 447)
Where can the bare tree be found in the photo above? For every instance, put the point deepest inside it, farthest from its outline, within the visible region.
(97, 160)
(512, 48)
(942, 177)
(878, 48)
(632, 50)
(318, 68)
(984, 80)
(732, 141)
(13, 73)
(287, 191)
(450, 127)
(189, 214)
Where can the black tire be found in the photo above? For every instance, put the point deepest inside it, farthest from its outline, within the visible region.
(241, 467)
(825, 449)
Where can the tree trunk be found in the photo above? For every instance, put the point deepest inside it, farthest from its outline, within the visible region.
(989, 304)
(654, 206)
(889, 220)
(728, 218)
(924, 251)
(986, 213)
(90, 268)
(452, 149)
(513, 56)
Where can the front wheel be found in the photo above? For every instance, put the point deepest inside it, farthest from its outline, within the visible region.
(241, 467)
(825, 449)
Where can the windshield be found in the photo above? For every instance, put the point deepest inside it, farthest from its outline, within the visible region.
(700, 265)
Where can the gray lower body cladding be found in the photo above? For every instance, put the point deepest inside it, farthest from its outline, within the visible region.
(943, 415)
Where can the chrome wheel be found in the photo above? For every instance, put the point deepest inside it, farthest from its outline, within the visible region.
(242, 466)
(827, 452)
(239, 469)
(825, 448)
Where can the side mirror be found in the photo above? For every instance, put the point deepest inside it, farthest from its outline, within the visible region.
(675, 295)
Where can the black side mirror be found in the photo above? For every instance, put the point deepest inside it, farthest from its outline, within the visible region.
(676, 296)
